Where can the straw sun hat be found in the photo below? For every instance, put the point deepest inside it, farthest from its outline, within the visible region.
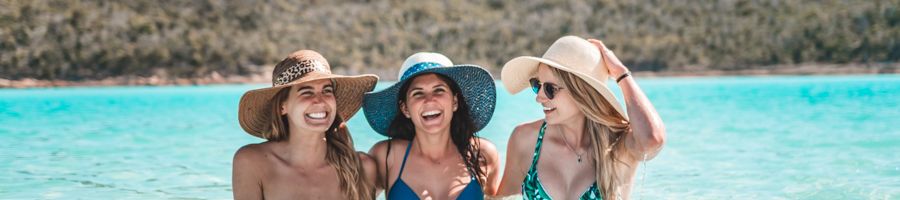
(476, 85)
(300, 67)
(570, 54)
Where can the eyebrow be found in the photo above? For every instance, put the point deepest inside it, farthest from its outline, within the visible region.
(436, 86)
(414, 89)
(542, 82)
(311, 87)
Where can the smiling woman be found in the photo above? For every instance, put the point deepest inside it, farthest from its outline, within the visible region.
(607, 143)
(432, 115)
(309, 153)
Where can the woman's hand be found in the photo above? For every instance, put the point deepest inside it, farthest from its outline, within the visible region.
(648, 128)
(615, 66)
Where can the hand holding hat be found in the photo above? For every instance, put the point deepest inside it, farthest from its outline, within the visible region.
(572, 54)
(615, 66)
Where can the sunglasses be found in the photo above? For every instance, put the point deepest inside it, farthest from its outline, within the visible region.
(549, 89)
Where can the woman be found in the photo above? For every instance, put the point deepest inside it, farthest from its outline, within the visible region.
(586, 147)
(308, 153)
(431, 116)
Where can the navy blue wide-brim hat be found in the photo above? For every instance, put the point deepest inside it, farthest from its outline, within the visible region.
(475, 83)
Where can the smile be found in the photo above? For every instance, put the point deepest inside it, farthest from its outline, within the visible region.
(429, 115)
(317, 115)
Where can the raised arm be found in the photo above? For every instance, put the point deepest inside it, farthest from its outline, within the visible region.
(648, 131)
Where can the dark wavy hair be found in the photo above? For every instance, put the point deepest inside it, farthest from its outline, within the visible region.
(462, 128)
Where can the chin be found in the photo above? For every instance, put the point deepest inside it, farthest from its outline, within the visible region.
(316, 128)
(553, 121)
(434, 129)
(312, 127)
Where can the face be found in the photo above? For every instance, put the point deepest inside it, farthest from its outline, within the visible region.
(311, 106)
(429, 104)
(562, 107)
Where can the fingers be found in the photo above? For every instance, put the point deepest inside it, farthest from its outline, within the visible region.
(599, 44)
(603, 50)
(596, 42)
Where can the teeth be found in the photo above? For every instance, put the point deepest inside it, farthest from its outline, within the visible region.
(546, 108)
(431, 113)
(318, 115)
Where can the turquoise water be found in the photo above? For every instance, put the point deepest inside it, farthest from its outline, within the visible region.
(830, 137)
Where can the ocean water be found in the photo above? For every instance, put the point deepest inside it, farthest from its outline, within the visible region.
(776, 137)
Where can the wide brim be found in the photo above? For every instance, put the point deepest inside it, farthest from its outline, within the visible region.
(516, 74)
(477, 87)
(256, 118)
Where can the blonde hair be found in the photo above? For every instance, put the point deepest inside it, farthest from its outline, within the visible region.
(606, 128)
(340, 153)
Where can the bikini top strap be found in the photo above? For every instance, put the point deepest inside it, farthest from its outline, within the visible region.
(403, 165)
(538, 144)
(386, 155)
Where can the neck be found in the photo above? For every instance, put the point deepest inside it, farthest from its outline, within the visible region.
(305, 148)
(574, 131)
(434, 146)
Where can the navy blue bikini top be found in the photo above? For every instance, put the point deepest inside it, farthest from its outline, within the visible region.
(400, 190)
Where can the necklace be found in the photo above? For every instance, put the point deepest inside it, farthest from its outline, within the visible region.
(566, 140)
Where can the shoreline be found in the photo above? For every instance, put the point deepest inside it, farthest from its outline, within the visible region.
(263, 78)
(809, 69)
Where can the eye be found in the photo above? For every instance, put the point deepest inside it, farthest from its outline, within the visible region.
(416, 94)
(306, 93)
(555, 86)
(328, 90)
(439, 91)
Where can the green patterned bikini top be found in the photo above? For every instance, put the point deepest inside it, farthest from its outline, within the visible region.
(532, 188)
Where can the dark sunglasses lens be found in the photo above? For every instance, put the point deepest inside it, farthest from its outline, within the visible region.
(549, 90)
(535, 85)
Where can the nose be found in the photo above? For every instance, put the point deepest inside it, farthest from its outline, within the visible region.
(318, 98)
(541, 97)
(430, 97)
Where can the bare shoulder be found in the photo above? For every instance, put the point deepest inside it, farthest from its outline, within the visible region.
(250, 161)
(486, 145)
(524, 135)
(380, 149)
(369, 165)
(366, 159)
(249, 170)
(251, 153)
(528, 128)
(487, 148)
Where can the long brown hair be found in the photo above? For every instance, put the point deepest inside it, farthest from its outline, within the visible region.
(340, 153)
(606, 128)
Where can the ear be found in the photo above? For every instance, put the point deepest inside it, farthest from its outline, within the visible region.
(404, 110)
(283, 108)
(455, 103)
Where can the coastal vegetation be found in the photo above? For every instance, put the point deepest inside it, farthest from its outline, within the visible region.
(77, 40)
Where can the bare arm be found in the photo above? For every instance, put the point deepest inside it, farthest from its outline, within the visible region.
(245, 175)
(489, 150)
(379, 154)
(369, 169)
(518, 152)
(648, 131)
